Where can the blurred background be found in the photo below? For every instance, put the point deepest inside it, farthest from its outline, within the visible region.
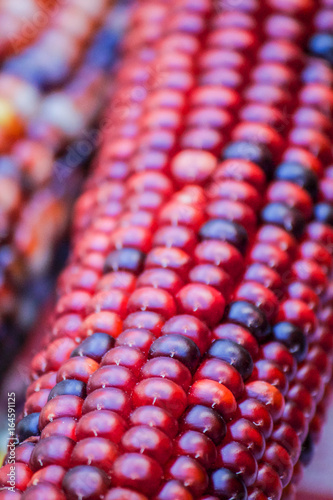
(56, 62)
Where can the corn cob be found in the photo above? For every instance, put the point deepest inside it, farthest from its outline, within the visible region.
(60, 41)
(178, 340)
(39, 176)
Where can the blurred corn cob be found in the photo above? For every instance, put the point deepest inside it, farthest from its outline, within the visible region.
(39, 175)
(187, 353)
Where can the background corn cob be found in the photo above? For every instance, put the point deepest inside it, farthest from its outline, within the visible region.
(39, 174)
(155, 382)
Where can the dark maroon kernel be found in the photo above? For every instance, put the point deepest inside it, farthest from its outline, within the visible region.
(278, 457)
(257, 153)
(22, 452)
(273, 235)
(169, 368)
(309, 375)
(189, 472)
(206, 420)
(39, 491)
(321, 360)
(136, 337)
(227, 485)
(225, 230)
(249, 316)
(318, 72)
(101, 423)
(124, 494)
(130, 357)
(293, 338)
(147, 320)
(70, 387)
(300, 175)
(112, 376)
(175, 237)
(86, 483)
(191, 327)
(28, 427)
(323, 212)
(288, 438)
(149, 441)
(295, 417)
(245, 432)
(109, 398)
(155, 417)
(54, 450)
(242, 336)
(166, 259)
(269, 482)
(281, 215)
(270, 254)
(176, 346)
(223, 373)
(126, 259)
(161, 278)
(214, 276)
(301, 396)
(239, 459)
(171, 490)
(256, 494)
(95, 346)
(196, 445)
(96, 451)
(234, 354)
(137, 471)
(203, 301)
(267, 394)
(152, 299)
(307, 450)
(323, 337)
(257, 413)
(161, 392)
(58, 407)
(279, 354)
(260, 296)
(270, 372)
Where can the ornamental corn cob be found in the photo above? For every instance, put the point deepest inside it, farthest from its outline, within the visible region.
(185, 358)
